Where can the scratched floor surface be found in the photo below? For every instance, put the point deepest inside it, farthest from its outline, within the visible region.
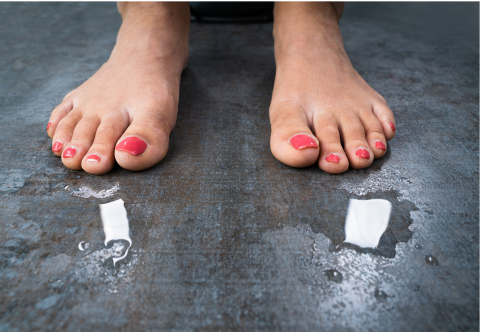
(224, 236)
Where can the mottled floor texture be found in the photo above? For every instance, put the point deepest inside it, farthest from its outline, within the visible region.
(226, 238)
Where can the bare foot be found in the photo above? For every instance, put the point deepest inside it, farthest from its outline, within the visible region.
(322, 110)
(126, 111)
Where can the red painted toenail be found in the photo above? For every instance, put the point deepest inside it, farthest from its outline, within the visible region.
(392, 126)
(333, 158)
(362, 153)
(49, 125)
(132, 145)
(302, 141)
(380, 145)
(93, 157)
(69, 152)
(57, 146)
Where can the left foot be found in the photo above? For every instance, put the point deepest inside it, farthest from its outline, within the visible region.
(319, 100)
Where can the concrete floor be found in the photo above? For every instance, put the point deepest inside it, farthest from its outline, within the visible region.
(224, 236)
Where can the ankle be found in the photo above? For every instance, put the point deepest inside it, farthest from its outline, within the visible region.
(306, 29)
(172, 9)
(159, 29)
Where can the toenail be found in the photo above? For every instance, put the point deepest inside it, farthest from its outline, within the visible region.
(49, 125)
(57, 146)
(302, 141)
(93, 157)
(132, 145)
(392, 126)
(69, 152)
(380, 145)
(362, 153)
(333, 158)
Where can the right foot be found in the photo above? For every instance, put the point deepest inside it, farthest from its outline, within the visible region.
(126, 111)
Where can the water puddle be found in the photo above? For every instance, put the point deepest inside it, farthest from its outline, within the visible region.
(116, 229)
(366, 229)
(366, 221)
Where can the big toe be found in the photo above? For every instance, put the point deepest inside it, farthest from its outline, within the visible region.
(292, 142)
(144, 143)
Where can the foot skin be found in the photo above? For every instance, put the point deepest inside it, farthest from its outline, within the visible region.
(319, 101)
(126, 111)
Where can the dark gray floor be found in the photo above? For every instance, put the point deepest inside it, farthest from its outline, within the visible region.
(224, 236)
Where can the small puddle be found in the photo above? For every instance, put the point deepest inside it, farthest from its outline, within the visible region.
(366, 221)
(331, 222)
(116, 229)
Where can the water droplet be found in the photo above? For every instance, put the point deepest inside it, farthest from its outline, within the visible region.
(416, 288)
(334, 275)
(106, 273)
(431, 260)
(380, 295)
(417, 246)
(83, 245)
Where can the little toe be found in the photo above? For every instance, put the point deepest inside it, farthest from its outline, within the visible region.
(385, 116)
(144, 143)
(332, 158)
(357, 149)
(57, 115)
(82, 139)
(292, 142)
(100, 158)
(374, 134)
(64, 132)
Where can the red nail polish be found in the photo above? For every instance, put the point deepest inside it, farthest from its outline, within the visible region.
(69, 152)
(302, 141)
(93, 157)
(333, 158)
(392, 126)
(132, 145)
(380, 145)
(362, 153)
(57, 146)
(49, 125)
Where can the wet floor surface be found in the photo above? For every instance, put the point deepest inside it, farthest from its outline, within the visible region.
(224, 236)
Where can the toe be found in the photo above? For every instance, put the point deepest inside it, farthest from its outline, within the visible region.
(374, 134)
(57, 115)
(332, 158)
(385, 116)
(82, 139)
(144, 143)
(100, 158)
(64, 132)
(357, 149)
(292, 142)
